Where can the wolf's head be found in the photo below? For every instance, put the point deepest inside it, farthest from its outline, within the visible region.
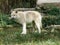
(13, 14)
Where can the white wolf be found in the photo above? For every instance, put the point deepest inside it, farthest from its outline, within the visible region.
(24, 17)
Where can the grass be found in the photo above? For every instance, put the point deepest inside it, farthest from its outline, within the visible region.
(12, 36)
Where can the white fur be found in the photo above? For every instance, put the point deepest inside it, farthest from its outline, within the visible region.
(27, 17)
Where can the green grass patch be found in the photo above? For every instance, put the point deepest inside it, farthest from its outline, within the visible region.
(13, 36)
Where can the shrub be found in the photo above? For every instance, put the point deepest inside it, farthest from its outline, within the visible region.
(50, 9)
(51, 20)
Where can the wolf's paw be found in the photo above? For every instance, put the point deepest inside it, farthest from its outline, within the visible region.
(40, 32)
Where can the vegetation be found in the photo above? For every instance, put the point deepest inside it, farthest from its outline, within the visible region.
(50, 9)
(12, 35)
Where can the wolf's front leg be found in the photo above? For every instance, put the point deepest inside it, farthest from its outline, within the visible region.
(24, 28)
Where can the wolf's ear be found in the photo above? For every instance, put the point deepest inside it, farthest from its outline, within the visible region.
(16, 11)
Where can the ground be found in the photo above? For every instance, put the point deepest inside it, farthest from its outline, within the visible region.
(12, 36)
